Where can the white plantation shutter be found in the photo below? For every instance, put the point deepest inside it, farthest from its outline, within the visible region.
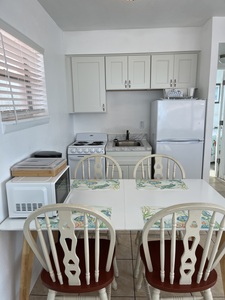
(22, 81)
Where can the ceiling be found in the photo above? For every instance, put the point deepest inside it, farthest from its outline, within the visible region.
(76, 15)
(83, 15)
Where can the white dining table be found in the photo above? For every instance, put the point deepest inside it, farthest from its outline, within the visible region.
(131, 197)
(125, 199)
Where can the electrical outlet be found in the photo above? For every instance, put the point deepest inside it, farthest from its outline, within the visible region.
(142, 124)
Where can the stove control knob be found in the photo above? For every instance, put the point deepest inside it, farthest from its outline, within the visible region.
(86, 150)
(73, 150)
(93, 150)
(79, 150)
(99, 150)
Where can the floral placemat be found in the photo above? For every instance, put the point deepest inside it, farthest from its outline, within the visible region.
(149, 184)
(79, 219)
(182, 217)
(92, 184)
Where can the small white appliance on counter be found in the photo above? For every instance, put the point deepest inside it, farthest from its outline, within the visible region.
(177, 128)
(86, 144)
(26, 194)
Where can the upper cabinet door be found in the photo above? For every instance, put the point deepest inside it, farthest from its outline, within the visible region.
(128, 72)
(139, 72)
(116, 72)
(185, 70)
(173, 71)
(88, 80)
(162, 71)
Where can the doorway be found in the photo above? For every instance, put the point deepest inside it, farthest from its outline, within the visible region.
(217, 163)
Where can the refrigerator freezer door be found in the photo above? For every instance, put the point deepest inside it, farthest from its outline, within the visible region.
(178, 119)
(189, 154)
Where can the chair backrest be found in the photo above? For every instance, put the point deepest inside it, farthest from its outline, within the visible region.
(70, 221)
(192, 257)
(158, 166)
(98, 166)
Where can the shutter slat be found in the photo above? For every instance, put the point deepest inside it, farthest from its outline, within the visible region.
(22, 80)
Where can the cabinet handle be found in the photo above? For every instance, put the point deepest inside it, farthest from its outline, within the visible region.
(125, 83)
(103, 107)
(171, 82)
(175, 82)
(129, 84)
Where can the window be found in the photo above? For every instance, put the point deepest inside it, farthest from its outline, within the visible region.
(23, 100)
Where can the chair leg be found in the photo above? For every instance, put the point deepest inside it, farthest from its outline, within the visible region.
(138, 257)
(51, 295)
(109, 291)
(137, 265)
(103, 294)
(147, 289)
(114, 284)
(137, 237)
(115, 267)
(207, 295)
(155, 294)
(140, 278)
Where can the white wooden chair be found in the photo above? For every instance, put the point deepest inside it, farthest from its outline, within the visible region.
(158, 166)
(92, 167)
(73, 266)
(186, 265)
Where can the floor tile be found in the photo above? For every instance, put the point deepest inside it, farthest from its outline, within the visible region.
(39, 289)
(123, 249)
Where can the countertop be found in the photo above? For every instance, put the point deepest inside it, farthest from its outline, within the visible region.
(140, 137)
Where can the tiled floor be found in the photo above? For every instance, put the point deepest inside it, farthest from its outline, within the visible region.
(126, 251)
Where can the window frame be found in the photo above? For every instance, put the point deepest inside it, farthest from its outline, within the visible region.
(24, 116)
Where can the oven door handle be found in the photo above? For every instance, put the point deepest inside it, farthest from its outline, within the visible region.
(75, 157)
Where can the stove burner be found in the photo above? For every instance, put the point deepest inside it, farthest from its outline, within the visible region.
(97, 143)
(89, 143)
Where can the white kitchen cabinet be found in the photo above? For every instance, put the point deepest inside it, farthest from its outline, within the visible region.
(173, 70)
(88, 84)
(128, 72)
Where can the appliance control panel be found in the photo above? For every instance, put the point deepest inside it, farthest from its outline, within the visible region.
(79, 150)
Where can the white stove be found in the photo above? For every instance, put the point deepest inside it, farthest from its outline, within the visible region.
(88, 143)
(85, 144)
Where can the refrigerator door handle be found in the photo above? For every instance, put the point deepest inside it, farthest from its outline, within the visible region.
(191, 141)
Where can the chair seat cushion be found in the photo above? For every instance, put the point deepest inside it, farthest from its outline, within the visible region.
(154, 280)
(105, 278)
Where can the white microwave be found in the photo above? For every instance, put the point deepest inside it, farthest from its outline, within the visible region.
(26, 194)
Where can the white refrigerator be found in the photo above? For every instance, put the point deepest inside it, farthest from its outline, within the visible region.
(177, 128)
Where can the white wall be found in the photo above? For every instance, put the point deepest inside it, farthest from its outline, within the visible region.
(132, 41)
(125, 110)
(28, 17)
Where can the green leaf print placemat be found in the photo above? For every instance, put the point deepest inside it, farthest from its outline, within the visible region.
(92, 184)
(182, 216)
(79, 219)
(148, 184)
